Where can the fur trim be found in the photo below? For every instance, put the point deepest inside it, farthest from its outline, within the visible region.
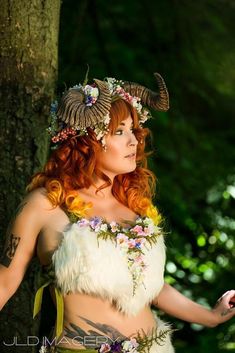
(167, 347)
(87, 265)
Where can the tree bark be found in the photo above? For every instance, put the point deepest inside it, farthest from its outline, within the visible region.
(28, 72)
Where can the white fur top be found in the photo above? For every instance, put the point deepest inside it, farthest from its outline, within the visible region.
(94, 266)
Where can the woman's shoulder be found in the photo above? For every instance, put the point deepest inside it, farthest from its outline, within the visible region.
(38, 198)
(37, 205)
(53, 219)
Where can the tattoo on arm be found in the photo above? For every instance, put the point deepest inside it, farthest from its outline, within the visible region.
(93, 338)
(12, 241)
(10, 249)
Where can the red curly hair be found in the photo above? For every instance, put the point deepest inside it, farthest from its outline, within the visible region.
(73, 164)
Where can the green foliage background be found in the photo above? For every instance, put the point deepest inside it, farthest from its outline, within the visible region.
(191, 43)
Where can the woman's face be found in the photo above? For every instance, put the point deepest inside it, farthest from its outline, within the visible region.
(120, 154)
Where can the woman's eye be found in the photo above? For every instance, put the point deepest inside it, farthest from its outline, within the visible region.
(118, 132)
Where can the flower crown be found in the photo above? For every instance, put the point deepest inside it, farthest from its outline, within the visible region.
(88, 106)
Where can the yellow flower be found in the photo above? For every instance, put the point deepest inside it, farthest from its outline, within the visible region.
(153, 213)
(76, 205)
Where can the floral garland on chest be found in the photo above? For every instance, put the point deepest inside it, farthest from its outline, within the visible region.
(130, 240)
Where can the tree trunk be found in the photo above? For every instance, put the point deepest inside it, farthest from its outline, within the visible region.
(28, 72)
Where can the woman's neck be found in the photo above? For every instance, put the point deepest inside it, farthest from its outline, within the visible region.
(101, 195)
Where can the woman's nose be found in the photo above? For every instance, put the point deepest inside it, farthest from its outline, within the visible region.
(133, 140)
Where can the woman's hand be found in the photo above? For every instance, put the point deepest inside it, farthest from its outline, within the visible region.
(176, 304)
(225, 307)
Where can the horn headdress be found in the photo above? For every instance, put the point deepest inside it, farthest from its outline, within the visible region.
(156, 100)
(88, 106)
(76, 113)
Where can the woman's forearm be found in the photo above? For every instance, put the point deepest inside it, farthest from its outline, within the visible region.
(176, 304)
(8, 285)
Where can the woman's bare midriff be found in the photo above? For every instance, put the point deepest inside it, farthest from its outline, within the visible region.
(87, 317)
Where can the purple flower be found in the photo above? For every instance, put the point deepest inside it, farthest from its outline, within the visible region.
(138, 245)
(116, 347)
(139, 242)
(83, 222)
(89, 100)
(95, 222)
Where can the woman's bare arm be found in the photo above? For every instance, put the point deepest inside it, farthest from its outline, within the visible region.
(176, 304)
(21, 242)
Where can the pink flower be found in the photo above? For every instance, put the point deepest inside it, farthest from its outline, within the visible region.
(139, 259)
(114, 227)
(139, 230)
(121, 238)
(147, 230)
(131, 243)
(134, 342)
(119, 89)
(105, 347)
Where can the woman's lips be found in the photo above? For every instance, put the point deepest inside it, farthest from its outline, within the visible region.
(131, 155)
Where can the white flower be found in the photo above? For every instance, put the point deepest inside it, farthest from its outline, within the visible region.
(148, 222)
(139, 220)
(104, 227)
(122, 241)
(130, 346)
(114, 227)
(106, 119)
(77, 86)
(99, 134)
(111, 81)
(135, 103)
(103, 141)
(94, 92)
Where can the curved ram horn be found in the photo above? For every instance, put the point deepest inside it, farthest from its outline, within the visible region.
(73, 110)
(156, 100)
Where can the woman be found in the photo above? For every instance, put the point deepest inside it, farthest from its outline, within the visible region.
(99, 239)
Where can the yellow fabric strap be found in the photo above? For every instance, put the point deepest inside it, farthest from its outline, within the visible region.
(38, 298)
(59, 306)
(60, 312)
